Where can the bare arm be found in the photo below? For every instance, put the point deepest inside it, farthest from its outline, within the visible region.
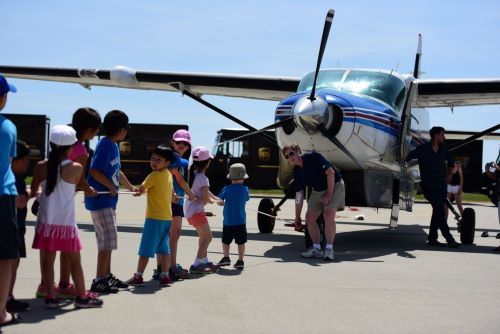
(102, 179)
(37, 178)
(205, 194)
(83, 184)
(180, 180)
(124, 181)
(461, 174)
(299, 202)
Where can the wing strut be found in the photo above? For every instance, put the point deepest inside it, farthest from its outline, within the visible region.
(474, 137)
(179, 86)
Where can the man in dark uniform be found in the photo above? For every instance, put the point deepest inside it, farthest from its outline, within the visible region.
(433, 161)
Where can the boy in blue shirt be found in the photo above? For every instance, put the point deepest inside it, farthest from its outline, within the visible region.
(106, 175)
(234, 198)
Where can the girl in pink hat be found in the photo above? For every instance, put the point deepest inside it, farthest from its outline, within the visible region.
(195, 209)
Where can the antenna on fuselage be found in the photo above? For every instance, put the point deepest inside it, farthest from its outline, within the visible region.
(416, 69)
(324, 39)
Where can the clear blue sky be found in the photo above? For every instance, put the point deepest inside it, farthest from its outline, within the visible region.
(460, 40)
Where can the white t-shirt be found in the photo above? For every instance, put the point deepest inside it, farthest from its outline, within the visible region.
(196, 206)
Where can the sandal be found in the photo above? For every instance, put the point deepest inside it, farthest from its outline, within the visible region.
(15, 319)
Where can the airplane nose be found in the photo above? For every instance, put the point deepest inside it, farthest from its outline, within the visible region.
(310, 115)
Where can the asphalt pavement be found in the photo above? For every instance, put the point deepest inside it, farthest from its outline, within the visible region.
(382, 281)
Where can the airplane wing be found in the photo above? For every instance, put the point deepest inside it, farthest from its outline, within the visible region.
(255, 87)
(457, 92)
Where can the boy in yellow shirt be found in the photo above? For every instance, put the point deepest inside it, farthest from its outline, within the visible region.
(155, 235)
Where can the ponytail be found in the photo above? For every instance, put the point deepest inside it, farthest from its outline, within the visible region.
(199, 167)
(55, 157)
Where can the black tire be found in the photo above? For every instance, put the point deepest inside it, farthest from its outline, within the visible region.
(266, 223)
(468, 226)
(307, 238)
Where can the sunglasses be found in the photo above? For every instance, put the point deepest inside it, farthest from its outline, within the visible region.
(290, 154)
(185, 143)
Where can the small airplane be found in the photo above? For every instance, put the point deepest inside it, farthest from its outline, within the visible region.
(365, 121)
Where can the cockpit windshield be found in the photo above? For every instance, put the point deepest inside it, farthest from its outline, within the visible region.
(380, 85)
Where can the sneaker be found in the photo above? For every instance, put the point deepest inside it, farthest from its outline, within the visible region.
(200, 269)
(14, 305)
(172, 274)
(115, 281)
(156, 273)
(313, 252)
(102, 286)
(329, 255)
(164, 280)
(453, 244)
(212, 266)
(136, 280)
(181, 272)
(41, 291)
(225, 261)
(51, 302)
(69, 292)
(89, 302)
(239, 264)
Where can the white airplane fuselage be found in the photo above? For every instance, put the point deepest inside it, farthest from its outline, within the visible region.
(362, 110)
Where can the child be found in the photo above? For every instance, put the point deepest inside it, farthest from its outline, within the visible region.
(234, 197)
(20, 166)
(195, 210)
(56, 228)
(180, 143)
(86, 122)
(105, 175)
(155, 236)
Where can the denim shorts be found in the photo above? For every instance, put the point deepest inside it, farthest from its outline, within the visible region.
(177, 210)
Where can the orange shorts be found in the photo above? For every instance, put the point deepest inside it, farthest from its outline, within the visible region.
(198, 219)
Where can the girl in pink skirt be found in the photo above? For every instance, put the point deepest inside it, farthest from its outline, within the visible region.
(56, 228)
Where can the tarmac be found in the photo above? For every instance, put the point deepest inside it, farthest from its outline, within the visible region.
(381, 281)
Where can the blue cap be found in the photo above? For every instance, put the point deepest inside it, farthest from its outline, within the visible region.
(6, 87)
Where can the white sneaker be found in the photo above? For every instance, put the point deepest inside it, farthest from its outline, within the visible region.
(329, 255)
(312, 252)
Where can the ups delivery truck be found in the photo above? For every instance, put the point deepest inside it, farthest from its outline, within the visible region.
(259, 155)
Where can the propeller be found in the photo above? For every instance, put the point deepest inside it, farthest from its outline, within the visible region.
(324, 39)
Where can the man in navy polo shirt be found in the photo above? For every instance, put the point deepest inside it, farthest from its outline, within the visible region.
(328, 195)
(434, 162)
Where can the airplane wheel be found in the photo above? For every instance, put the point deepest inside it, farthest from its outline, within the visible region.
(307, 237)
(266, 223)
(468, 226)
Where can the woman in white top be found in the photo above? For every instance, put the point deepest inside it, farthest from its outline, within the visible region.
(56, 228)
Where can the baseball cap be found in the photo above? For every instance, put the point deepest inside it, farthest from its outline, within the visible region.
(63, 135)
(6, 87)
(201, 153)
(182, 135)
(237, 172)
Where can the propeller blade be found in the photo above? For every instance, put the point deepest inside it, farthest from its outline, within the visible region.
(416, 69)
(324, 39)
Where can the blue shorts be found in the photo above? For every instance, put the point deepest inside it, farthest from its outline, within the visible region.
(154, 239)
(177, 210)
